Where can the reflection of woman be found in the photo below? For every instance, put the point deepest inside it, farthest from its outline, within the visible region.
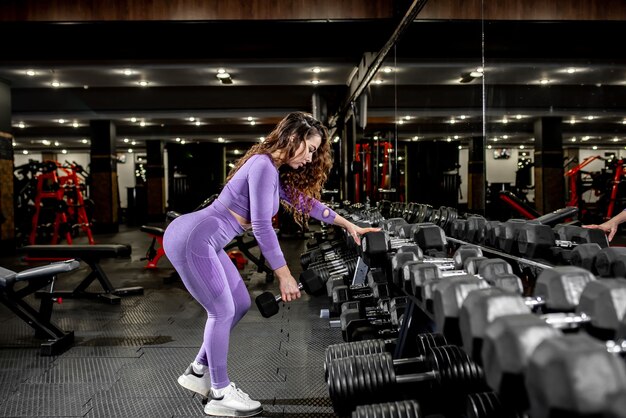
(299, 147)
(610, 226)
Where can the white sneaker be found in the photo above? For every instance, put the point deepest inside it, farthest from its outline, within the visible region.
(196, 382)
(234, 402)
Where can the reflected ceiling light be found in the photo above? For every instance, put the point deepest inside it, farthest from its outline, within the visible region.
(133, 120)
(477, 73)
(223, 76)
(585, 138)
(448, 139)
(452, 121)
(505, 120)
(250, 118)
(183, 142)
(624, 122)
(252, 123)
(407, 117)
(133, 142)
(191, 119)
(336, 139)
(45, 142)
(400, 122)
(262, 139)
(31, 73)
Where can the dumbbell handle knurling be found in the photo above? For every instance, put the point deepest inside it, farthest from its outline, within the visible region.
(279, 299)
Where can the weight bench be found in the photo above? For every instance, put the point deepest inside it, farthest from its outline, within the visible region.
(153, 255)
(57, 340)
(91, 255)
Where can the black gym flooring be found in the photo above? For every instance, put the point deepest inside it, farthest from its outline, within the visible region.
(126, 358)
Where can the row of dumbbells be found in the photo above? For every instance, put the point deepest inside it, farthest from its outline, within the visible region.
(598, 306)
(562, 245)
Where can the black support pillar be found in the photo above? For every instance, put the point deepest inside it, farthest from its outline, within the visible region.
(7, 211)
(155, 180)
(104, 185)
(347, 159)
(476, 176)
(549, 183)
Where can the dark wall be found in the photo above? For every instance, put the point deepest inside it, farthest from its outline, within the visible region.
(195, 173)
(427, 163)
(5, 108)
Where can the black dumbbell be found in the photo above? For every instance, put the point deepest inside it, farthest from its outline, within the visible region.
(358, 348)
(399, 409)
(381, 321)
(372, 378)
(268, 304)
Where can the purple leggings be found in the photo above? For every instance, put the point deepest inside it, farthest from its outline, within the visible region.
(194, 245)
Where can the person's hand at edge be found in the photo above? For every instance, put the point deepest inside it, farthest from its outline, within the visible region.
(288, 285)
(356, 232)
(609, 227)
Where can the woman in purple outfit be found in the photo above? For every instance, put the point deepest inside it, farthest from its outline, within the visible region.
(291, 165)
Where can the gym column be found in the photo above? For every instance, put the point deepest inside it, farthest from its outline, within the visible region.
(476, 176)
(104, 185)
(549, 182)
(155, 183)
(7, 211)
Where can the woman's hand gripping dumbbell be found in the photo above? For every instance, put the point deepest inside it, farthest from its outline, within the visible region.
(310, 282)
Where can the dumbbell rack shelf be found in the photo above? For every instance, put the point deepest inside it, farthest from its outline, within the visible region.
(522, 264)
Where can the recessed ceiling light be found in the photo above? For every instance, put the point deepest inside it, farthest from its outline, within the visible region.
(31, 73)
(518, 116)
(143, 83)
(387, 69)
(571, 70)
(56, 143)
(75, 124)
(127, 72)
(126, 140)
(317, 70)
(63, 151)
(489, 147)
(55, 84)
(544, 81)
(220, 139)
(61, 121)
(198, 123)
(590, 117)
(595, 147)
(315, 82)
(130, 150)
(25, 152)
(133, 120)
(177, 139)
(22, 126)
(84, 140)
(142, 123)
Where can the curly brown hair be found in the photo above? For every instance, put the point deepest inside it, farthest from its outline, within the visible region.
(302, 184)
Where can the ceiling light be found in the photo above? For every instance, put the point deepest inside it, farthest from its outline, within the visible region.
(61, 121)
(400, 122)
(505, 137)
(142, 123)
(590, 117)
(462, 117)
(84, 140)
(45, 142)
(387, 70)
(572, 121)
(127, 72)
(544, 81)
(317, 70)
(198, 123)
(315, 82)
(489, 147)
(56, 143)
(521, 147)
(615, 139)
(55, 84)
(460, 147)
(75, 124)
(220, 139)
(25, 152)
(379, 81)
(224, 77)
(22, 126)
(518, 116)
(252, 123)
(261, 139)
(571, 70)
(126, 140)
(573, 139)
(31, 73)
(63, 151)
(595, 147)
(130, 150)
(143, 83)
(476, 74)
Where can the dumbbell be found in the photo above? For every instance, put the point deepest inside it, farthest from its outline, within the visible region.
(487, 405)
(412, 270)
(372, 378)
(340, 266)
(537, 240)
(362, 292)
(322, 251)
(598, 305)
(398, 409)
(357, 348)
(530, 363)
(611, 262)
(382, 321)
(267, 303)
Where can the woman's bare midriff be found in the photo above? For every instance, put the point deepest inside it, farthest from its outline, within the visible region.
(245, 224)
